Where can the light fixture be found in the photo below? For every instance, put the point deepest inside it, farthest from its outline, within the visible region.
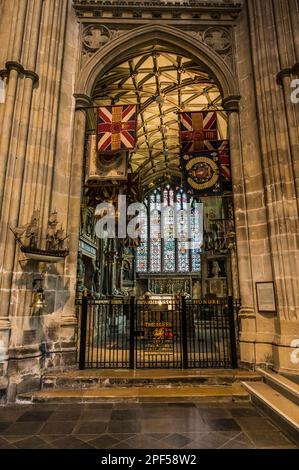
(38, 294)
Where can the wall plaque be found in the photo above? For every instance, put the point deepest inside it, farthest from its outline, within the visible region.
(266, 300)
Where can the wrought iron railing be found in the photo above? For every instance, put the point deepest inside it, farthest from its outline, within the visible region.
(173, 333)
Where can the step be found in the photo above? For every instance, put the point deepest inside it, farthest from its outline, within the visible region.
(281, 384)
(217, 393)
(124, 378)
(279, 408)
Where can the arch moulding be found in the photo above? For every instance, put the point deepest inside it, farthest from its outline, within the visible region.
(122, 47)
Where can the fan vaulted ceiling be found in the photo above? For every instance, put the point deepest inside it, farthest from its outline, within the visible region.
(162, 84)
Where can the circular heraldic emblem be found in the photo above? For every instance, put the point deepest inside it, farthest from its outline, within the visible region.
(108, 162)
(203, 173)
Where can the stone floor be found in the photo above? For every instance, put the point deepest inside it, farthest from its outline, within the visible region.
(138, 426)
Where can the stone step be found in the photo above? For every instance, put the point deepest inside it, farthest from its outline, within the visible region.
(281, 384)
(284, 412)
(202, 393)
(125, 378)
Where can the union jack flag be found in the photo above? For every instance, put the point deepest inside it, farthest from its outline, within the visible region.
(197, 128)
(116, 128)
(223, 149)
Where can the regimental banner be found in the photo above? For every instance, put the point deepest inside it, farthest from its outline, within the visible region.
(103, 167)
(202, 174)
(223, 149)
(116, 128)
(196, 129)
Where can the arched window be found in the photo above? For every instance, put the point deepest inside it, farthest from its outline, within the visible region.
(171, 228)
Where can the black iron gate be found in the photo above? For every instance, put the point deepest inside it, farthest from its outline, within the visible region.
(168, 333)
(158, 334)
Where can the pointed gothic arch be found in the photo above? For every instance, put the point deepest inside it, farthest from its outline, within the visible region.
(122, 47)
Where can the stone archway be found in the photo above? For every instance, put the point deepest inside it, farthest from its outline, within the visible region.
(119, 49)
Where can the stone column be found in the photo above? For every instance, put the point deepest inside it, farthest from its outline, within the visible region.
(231, 105)
(292, 115)
(13, 69)
(293, 12)
(69, 318)
(286, 17)
(247, 315)
(276, 146)
(14, 143)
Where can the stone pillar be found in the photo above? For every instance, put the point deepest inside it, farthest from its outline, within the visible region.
(286, 17)
(293, 14)
(247, 313)
(253, 253)
(280, 191)
(49, 47)
(69, 318)
(22, 79)
(11, 69)
(292, 115)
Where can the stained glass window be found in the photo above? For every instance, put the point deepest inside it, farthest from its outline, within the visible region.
(172, 235)
(155, 232)
(196, 227)
(142, 253)
(169, 231)
(183, 232)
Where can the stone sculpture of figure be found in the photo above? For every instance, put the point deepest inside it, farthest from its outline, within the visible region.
(81, 269)
(216, 270)
(60, 238)
(127, 271)
(51, 231)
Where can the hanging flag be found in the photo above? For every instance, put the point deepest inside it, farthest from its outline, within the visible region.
(197, 128)
(104, 167)
(223, 149)
(116, 128)
(202, 174)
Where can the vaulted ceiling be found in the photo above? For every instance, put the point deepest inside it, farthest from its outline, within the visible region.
(163, 84)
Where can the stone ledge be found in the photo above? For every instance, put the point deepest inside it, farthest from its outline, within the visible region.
(203, 393)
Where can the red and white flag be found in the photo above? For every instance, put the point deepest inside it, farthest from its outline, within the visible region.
(197, 128)
(116, 128)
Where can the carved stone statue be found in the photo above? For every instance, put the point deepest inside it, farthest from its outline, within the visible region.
(216, 270)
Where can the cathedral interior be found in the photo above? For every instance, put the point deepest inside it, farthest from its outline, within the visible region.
(163, 84)
(187, 110)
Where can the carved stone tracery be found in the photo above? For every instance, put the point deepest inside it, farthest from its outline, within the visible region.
(210, 22)
(218, 39)
(96, 36)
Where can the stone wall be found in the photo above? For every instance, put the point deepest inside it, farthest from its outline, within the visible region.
(36, 168)
(274, 44)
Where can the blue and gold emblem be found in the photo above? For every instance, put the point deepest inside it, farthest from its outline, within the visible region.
(202, 174)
